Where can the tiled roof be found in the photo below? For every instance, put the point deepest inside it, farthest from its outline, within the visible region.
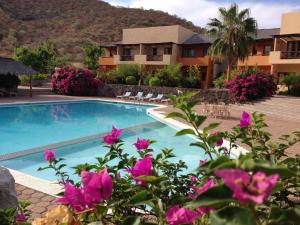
(11, 66)
(197, 39)
(267, 33)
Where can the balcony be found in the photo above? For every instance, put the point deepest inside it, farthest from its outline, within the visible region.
(152, 58)
(106, 61)
(290, 55)
(126, 58)
(255, 60)
(144, 59)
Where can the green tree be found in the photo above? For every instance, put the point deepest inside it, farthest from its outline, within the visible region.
(91, 55)
(233, 32)
(44, 58)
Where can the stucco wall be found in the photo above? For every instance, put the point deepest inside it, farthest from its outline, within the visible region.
(290, 23)
(163, 34)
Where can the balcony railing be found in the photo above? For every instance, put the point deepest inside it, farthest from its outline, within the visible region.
(154, 57)
(126, 58)
(290, 55)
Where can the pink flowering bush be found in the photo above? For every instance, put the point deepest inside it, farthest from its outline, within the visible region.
(72, 81)
(258, 187)
(244, 88)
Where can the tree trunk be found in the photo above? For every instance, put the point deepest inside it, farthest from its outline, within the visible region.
(228, 71)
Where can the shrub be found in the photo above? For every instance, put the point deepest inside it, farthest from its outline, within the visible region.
(248, 88)
(192, 80)
(131, 80)
(9, 81)
(292, 81)
(170, 76)
(108, 77)
(244, 72)
(261, 186)
(127, 70)
(154, 81)
(219, 82)
(72, 81)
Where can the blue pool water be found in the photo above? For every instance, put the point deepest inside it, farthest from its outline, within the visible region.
(29, 126)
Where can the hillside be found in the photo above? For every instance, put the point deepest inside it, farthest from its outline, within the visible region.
(70, 23)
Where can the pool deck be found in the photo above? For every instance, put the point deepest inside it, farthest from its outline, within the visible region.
(283, 117)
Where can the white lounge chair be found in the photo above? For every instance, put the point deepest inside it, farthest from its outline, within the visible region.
(126, 95)
(158, 98)
(138, 95)
(147, 97)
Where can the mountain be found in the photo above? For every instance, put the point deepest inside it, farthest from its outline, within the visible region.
(71, 23)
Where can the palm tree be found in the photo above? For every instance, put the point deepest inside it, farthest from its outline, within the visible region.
(232, 33)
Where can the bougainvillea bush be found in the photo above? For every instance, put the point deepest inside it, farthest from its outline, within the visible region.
(251, 87)
(260, 187)
(73, 81)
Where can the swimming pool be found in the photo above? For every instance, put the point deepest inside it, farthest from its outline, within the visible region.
(31, 126)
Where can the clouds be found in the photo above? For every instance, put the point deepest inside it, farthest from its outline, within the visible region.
(267, 13)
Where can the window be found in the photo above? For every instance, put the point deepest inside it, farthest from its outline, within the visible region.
(188, 53)
(154, 51)
(127, 51)
(168, 51)
(267, 49)
(254, 51)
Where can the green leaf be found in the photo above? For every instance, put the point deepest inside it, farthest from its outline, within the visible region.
(141, 198)
(232, 216)
(213, 197)
(132, 220)
(185, 132)
(176, 115)
(199, 120)
(96, 223)
(210, 127)
(152, 179)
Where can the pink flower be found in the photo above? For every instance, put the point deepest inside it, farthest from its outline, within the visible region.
(97, 187)
(246, 189)
(73, 197)
(141, 144)
(177, 215)
(20, 218)
(49, 155)
(245, 120)
(219, 141)
(193, 179)
(113, 137)
(142, 167)
(209, 184)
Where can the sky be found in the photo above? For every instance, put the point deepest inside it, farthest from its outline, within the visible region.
(266, 12)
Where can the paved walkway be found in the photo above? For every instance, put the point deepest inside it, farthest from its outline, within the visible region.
(40, 202)
(283, 117)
